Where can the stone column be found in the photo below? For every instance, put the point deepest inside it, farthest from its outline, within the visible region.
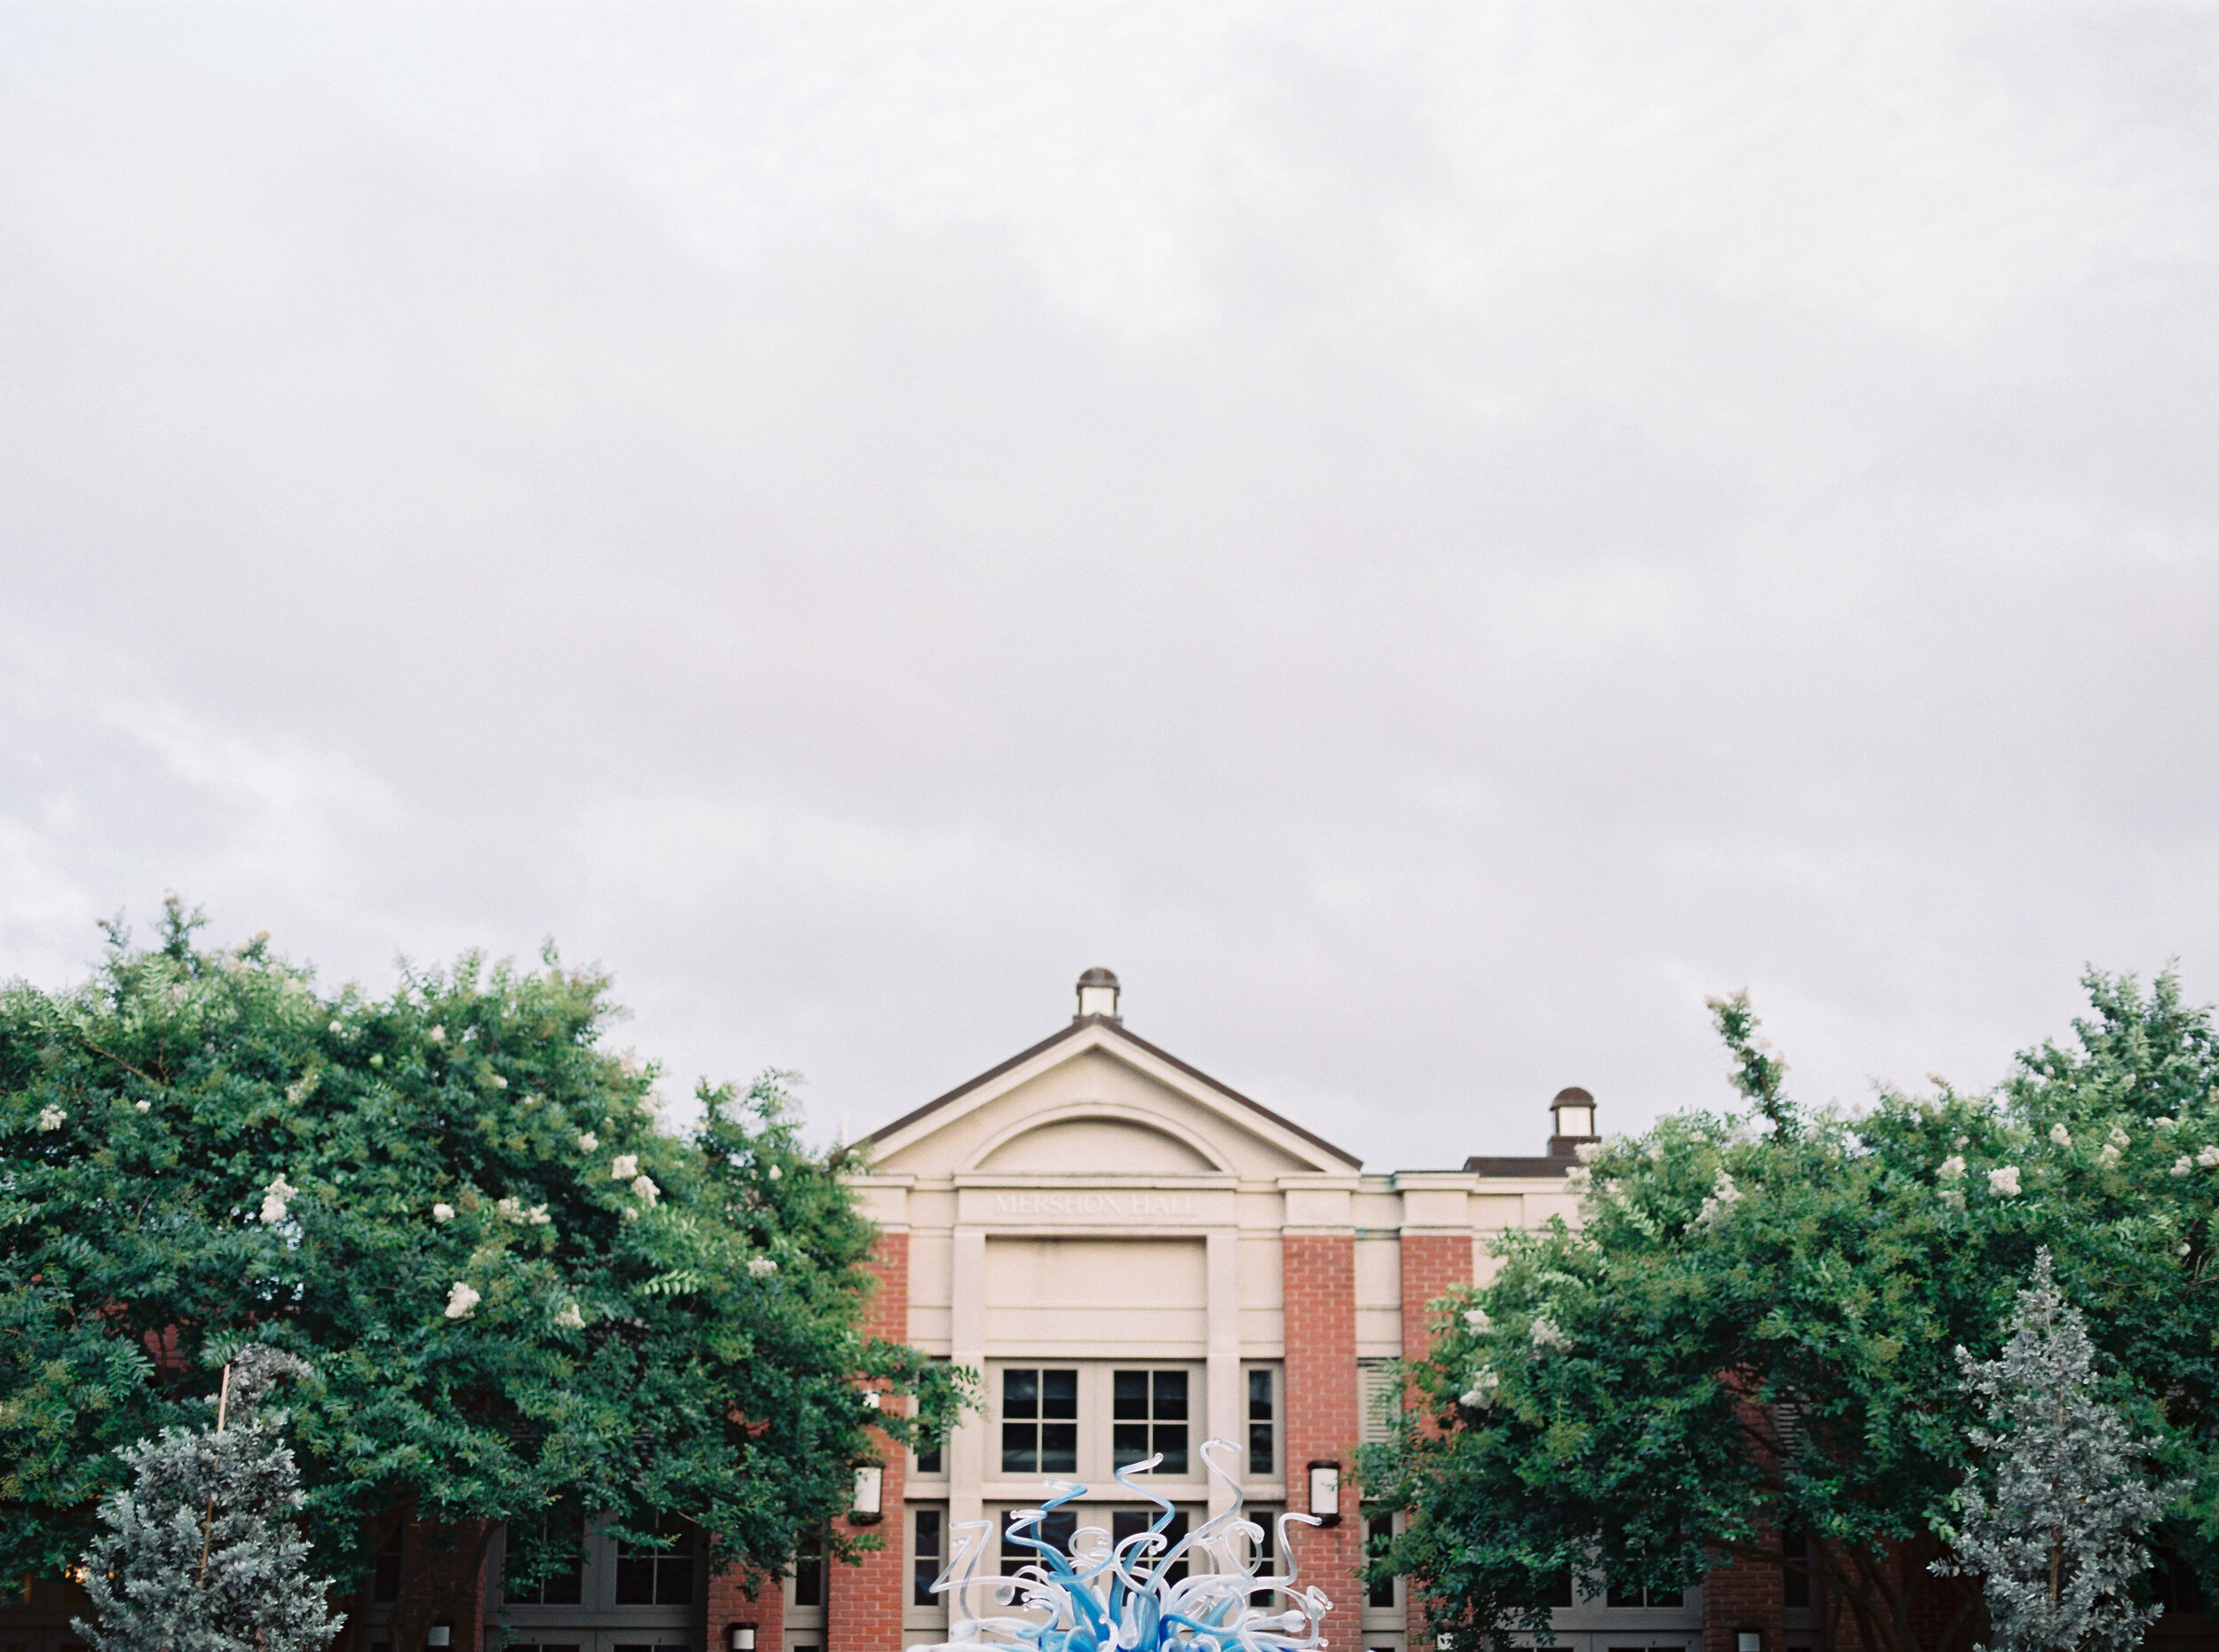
(967, 1446)
(1224, 1415)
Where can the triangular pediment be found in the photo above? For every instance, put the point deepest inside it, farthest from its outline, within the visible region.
(1094, 1101)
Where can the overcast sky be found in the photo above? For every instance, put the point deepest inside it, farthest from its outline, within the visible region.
(1430, 539)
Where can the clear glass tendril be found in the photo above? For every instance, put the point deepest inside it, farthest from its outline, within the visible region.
(1106, 1596)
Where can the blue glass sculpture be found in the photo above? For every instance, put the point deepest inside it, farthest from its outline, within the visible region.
(1106, 1596)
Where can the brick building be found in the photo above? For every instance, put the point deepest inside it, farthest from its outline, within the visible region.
(1138, 1259)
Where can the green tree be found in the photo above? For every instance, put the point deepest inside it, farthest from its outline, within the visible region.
(1752, 1331)
(201, 1555)
(2052, 1522)
(523, 1301)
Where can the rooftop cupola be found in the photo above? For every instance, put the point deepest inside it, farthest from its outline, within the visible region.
(1098, 995)
(1572, 1121)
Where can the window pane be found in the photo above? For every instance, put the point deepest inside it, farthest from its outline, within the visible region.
(1171, 1396)
(1171, 1440)
(1259, 1449)
(563, 1588)
(385, 1587)
(1556, 1589)
(1020, 1448)
(1795, 1576)
(1378, 1532)
(1667, 1597)
(635, 1580)
(927, 1562)
(928, 1459)
(1266, 1553)
(1059, 1448)
(1130, 1523)
(1020, 1394)
(1622, 1597)
(809, 1571)
(1128, 1442)
(674, 1580)
(1260, 1396)
(1056, 1531)
(1059, 1393)
(1130, 1395)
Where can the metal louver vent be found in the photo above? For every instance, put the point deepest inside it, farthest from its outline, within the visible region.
(1381, 1390)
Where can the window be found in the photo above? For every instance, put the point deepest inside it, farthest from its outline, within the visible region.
(1057, 1530)
(565, 1587)
(1795, 1571)
(385, 1581)
(1379, 1533)
(648, 1576)
(1263, 1423)
(1646, 1597)
(928, 1459)
(1131, 1523)
(928, 1550)
(809, 1572)
(1556, 1589)
(1267, 1555)
(1149, 1416)
(1039, 1428)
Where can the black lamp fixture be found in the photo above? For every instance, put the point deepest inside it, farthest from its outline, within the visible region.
(1325, 1491)
(867, 1507)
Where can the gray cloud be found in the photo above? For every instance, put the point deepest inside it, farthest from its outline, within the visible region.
(1429, 539)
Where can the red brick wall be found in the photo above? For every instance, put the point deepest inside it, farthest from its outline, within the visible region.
(1323, 1410)
(443, 1581)
(1433, 1264)
(1743, 1594)
(728, 1604)
(863, 1604)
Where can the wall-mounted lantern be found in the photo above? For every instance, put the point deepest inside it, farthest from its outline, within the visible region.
(867, 1508)
(743, 1638)
(440, 1635)
(1748, 1640)
(1325, 1492)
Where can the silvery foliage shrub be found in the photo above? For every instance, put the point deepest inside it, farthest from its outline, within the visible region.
(2055, 1527)
(203, 1555)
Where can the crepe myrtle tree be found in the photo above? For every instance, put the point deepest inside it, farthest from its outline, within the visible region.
(522, 1300)
(2052, 1520)
(201, 1554)
(1746, 1348)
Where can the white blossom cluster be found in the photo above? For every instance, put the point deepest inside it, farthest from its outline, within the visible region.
(275, 1196)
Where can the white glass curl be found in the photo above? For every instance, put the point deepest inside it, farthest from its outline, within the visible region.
(1105, 1596)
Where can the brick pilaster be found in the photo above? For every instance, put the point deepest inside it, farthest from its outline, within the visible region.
(1742, 1594)
(1325, 1410)
(443, 1581)
(863, 1604)
(1433, 1264)
(728, 1604)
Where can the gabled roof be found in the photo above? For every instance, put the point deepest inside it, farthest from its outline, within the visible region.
(1108, 1027)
